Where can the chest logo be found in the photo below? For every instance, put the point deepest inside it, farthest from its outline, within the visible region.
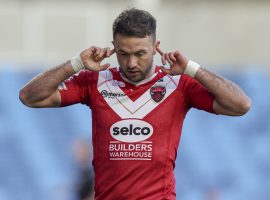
(157, 93)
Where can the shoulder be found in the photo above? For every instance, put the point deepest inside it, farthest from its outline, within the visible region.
(166, 78)
(108, 74)
(187, 80)
(92, 75)
(182, 82)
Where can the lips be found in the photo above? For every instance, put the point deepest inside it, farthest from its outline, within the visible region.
(133, 73)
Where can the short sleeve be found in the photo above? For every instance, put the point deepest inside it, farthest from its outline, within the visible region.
(76, 89)
(196, 95)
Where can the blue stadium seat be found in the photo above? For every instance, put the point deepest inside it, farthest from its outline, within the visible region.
(228, 154)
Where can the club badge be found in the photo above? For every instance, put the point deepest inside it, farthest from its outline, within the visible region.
(157, 93)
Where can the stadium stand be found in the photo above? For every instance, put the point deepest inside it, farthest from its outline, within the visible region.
(219, 158)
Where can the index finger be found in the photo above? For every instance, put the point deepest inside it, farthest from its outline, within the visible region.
(111, 52)
(159, 50)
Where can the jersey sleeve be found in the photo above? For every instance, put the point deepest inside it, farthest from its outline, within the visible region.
(76, 89)
(196, 95)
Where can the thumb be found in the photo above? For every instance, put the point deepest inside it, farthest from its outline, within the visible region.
(104, 67)
(165, 70)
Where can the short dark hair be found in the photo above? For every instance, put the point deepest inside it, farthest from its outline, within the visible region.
(135, 22)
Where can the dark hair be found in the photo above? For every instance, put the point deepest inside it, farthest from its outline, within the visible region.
(135, 22)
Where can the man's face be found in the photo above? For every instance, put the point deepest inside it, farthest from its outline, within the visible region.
(135, 56)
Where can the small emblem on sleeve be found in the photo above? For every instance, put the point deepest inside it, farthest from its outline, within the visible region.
(118, 83)
(157, 93)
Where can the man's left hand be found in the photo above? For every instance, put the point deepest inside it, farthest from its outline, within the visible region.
(176, 59)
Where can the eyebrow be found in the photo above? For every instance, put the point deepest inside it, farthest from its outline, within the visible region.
(139, 51)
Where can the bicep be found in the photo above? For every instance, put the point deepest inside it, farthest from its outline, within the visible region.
(54, 100)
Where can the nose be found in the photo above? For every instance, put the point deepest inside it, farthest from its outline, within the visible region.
(132, 62)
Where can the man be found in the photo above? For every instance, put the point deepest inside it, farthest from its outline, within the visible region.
(138, 109)
(83, 158)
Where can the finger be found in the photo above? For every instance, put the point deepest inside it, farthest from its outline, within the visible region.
(165, 70)
(176, 54)
(92, 50)
(163, 60)
(97, 53)
(102, 54)
(158, 47)
(107, 52)
(167, 57)
(159, 50)
(181, 57)
(88, 54)
(112, 52)
(104, 67)
(172, 57)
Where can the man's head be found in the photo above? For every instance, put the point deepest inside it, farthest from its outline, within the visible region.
(134, 39)
(135, 23)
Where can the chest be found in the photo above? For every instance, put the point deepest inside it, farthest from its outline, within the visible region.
(138, 102)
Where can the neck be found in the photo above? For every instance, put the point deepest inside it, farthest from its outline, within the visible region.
(151, 72)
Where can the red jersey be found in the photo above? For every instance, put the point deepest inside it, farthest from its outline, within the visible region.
(136, 129)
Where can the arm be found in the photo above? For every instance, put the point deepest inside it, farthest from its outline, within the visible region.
(229, 98)
(42, 90)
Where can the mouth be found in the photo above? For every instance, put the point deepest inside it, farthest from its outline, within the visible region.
(133, 73)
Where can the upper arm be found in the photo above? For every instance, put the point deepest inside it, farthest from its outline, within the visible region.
(197, 96)
(74, 90)
(54, 100)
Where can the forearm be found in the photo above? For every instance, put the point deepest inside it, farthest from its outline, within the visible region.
(229, 98)
(43, 85)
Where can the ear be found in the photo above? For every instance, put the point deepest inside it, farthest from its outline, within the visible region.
(157, 43)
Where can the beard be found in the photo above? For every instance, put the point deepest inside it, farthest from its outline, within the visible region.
(136, 74)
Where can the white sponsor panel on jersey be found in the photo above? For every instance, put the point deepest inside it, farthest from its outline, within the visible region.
(130, 144)
(131, 130)
(130, 151)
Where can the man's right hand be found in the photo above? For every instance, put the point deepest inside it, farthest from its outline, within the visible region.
(42, 90)
(93, 56)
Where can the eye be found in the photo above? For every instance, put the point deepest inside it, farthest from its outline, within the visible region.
(139, 54)
(123, 54)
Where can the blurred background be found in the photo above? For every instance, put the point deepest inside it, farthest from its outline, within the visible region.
(44, 151)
